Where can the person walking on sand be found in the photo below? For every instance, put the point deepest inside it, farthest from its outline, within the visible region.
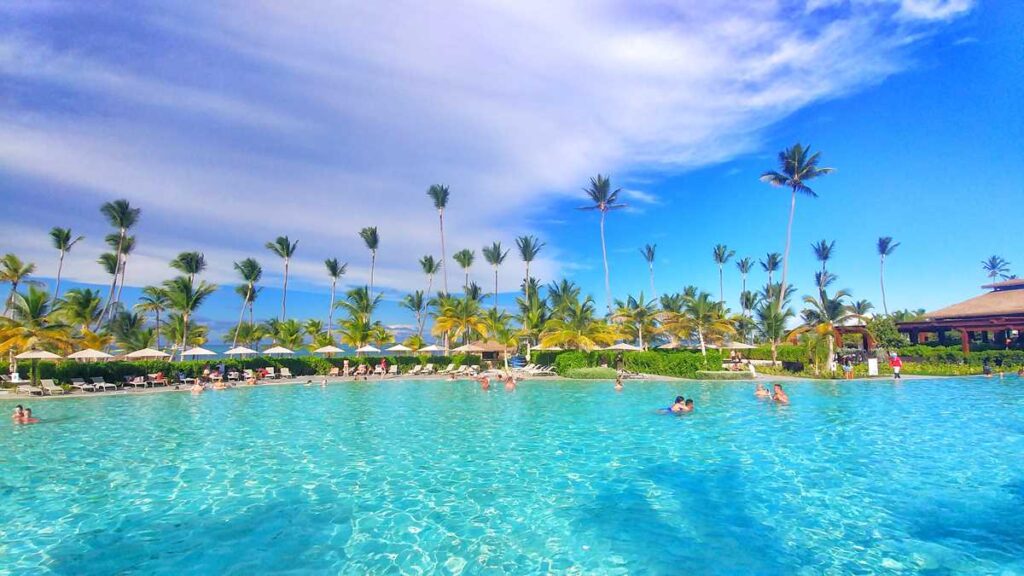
(896, 364)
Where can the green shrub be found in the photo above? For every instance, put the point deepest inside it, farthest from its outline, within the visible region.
(680, 364)
(721, 375)
(597, 373)
(785, 353)
(567, 361)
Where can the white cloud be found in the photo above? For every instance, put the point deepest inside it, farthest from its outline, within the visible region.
(232, 123)
(639, 196)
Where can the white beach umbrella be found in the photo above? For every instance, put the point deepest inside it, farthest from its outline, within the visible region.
(431, 349)
(38, 355)
(367, 349)
(546, 349)
(239, 351)
(623, 346)
(147, 353)
(737, 346)
(670, 346)
(278, 350)
(328, 350)
(198, 351)
(90, 354)
(399, 348)
(468, 349)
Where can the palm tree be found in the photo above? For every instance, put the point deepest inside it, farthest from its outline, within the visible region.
(63, 242)
(744, 265)
(495, 257)
(127, 245)
(824, 316)
(33, 325)
(604, 200)
(638, 315)
(995, 266)
(529, 248)
(430, 267)
(15, 272)
(465, 259)
(372, 241)
(703, 317)
(797, 167)
(251, 273)
(578, 328)
(186, 297)
(823, 251)
(122, 217)
(335, 270)
(861, 307)
(130, 332)
(190, 263)
(284, 249)
(153, 300)
(770, 320)
(721, 254)
(648, 253)
(81, 307)
(184, 334)
(563, 294)
(439, 194)
(462, 318)
(417, 304)
(771, 263)
(358, 303)
(885, 248)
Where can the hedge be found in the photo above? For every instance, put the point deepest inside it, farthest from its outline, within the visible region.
(63, 371)
(597, 373)
(722, 375)
(681, 364)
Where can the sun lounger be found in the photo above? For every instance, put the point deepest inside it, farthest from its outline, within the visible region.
(271, 373)
(414, 370)
(137, 382)
(50, 388)
(393, 371)
(428, 369)
(334, 371)
(378, 371)
(82, 385)
(26, 389)
(286, 372)
(100, 384)
(157, 379)
(449, 369)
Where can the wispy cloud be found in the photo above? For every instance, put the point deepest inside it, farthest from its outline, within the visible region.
(231, 123)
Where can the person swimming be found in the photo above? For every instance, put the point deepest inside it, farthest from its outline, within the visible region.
(678, 406)
(197, 388)
(485, 383)
(27, 418)
(761, 392)
(510, 383)
(618, 383)
(688, 405)
(780, 395)
(19, 413)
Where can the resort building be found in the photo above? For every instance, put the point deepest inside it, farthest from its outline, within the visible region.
(996, 316)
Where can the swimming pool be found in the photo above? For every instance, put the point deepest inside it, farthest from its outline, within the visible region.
(439, 477)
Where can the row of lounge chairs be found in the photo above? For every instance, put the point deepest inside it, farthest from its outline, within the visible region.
(98, 384)
(536, 370)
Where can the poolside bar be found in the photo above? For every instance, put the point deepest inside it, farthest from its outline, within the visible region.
(996, 316)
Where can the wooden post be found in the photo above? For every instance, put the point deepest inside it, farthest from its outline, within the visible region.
(965, 341)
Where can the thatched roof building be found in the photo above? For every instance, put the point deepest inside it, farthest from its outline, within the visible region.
(998, 312)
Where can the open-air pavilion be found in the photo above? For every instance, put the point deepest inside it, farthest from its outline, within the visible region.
(996, 316)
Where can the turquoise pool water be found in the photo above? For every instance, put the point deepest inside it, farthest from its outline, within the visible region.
(436, 477)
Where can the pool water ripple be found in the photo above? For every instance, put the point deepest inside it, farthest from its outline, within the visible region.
(558, 477)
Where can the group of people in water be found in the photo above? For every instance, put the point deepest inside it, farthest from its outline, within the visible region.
(509, 380)
(23, 415)
(776, 394)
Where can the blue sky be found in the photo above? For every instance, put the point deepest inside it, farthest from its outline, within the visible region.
(232, 124)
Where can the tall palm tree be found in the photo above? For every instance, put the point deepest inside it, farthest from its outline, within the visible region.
(430, 267)
(721, 255)
(701, 317)
(122, 217)
(417, 304)
(562, 294)
(186, 297)
(604, 200)
(251, 273)
(153, 300)
(190, 264)
(465, 259)
(797, 167)
(81, 307)
(63, 242)
(744, 265)
(14, 272)
(885, 248)
(372, 241)
(335, 270)
(861, 307)
(771, 263)
(529, 248)
(127, 245)
(824, 316)
(462, 318)
(285, 250)
(495, 257)
(439, 194)
(648, 253)
(823, 251)
(33, 325)
(770, 321)
(995, 266)
(578, 328)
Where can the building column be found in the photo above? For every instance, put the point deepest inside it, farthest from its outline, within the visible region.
(965, 342)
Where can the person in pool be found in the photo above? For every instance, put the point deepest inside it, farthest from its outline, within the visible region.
(618, 383)
(688, 406)
(678, 406)
(761, 392)
(27, 418)
(485, 383)
(780, 395)
(510, 383)
(19, 413)
(197, 388)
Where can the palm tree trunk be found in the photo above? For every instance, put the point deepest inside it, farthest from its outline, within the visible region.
(703, 347)
(241, 314)
(444, 260)
(653, 293)
(330, 311)
(495, 287)
(113, 284)
(157, 329)
(830, 364)
(640, 332)
(120, 286)
(881, 277)
(775, 352)
(184, 335)
(284, 292)
(785, 255)
(604, 257)
(526, 290)
(721, 285)
(60, 268)
(373, 265)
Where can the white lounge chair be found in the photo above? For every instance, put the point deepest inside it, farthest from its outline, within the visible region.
(271, 373)
(428, 369)
(27, 389)
(449, 369)
(286, 372)
(100, 384)
(414, 370)
(50, 388)
(393, 371)
(334, 371)
(82, 385)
